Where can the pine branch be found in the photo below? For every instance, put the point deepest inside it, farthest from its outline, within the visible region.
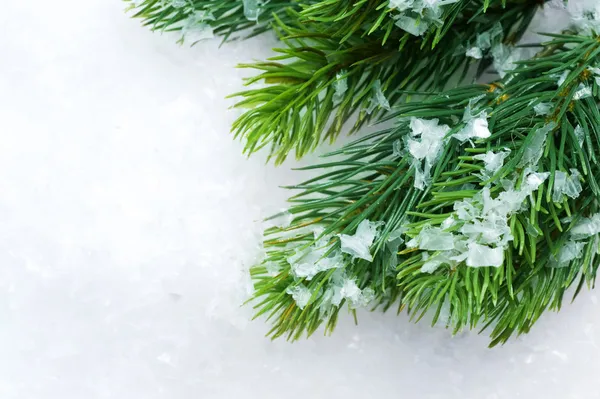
(318, 81)
(546, 114)
(224, 18)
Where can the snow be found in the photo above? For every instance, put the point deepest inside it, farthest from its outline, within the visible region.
(128, 217)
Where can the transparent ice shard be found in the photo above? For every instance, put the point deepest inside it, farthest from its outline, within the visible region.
(482, 255)
(493, 161)
(586, 227)
(253, 9)
(562, 78)
(340, 85)
(426, 145)
(580, 134)
(273, 268)
(434, 239)
(474, 52)
(308, 262)
(583, 92)
(378, 100)
(542, 109)
(475, 128)
(570, 251)
(535, 148)
(178, 3)
(416, 27)
(300, 294)
(566, 184)
(359, 244)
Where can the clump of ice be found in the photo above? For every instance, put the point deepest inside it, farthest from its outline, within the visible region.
(582, 92)
(562, 78)
(476, 126)
(253, 9)
(196, 27)
(343, 288)
(484, 41)
(565, 184)
(359, 244)
(493, 161)
(340, 86)
(433, 239)
(485, 232)
(300, 294)
(505, 57)
(569, 251)
(178, 3)
(586, 227)
(378, 100)
(416, 16)
(308, 262)
(427, 148)
(542, 109)
(580, 135)
(535, 148)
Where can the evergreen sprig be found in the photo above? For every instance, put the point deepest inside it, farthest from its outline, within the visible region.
(320, 79)
(372, 179)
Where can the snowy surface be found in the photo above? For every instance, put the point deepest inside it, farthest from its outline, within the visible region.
(128, 217)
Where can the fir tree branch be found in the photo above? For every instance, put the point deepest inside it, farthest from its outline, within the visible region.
(371, 180)
(226, 18)
(316, 83)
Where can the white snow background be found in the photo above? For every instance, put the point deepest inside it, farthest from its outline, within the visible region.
(128, 219)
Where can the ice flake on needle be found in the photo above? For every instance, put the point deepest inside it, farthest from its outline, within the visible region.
(586, 227)
(427, 149)
(493, 161)
(300, 294)
(253, 9)
(484, 41)
(534, 150)
(433, 239)
(582, 92)
(359, 244)
(542, 109)
(307, 262)
(570, 251)
(565, 184)
(476, 124)
(340, 85)
(378, 100)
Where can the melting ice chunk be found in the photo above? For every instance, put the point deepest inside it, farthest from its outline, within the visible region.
(535, 148)
(253, 9)
(542, 109)
(340, 85)
(570, 251)
(582, 92)
(307, 262)
(482, 255)
(415, 27)
(493, 161)
(300, 294)
(434, 239)
(565, 184)
(359, 244)
(586, 227)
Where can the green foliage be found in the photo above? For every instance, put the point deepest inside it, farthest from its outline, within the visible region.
(229, 18)
(302, 104)
(371, 180)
